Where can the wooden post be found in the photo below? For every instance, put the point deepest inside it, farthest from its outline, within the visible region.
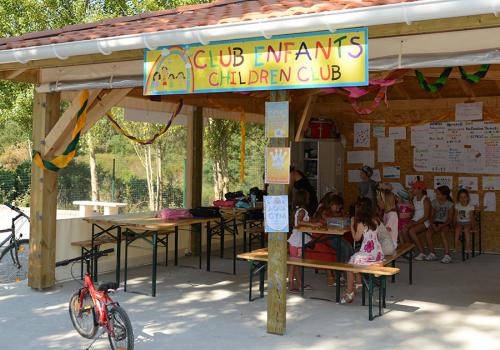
(43, 206)
(277, 245)
(195, 169)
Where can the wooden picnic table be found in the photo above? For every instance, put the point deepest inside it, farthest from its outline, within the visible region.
(148, 227)
(336, 233)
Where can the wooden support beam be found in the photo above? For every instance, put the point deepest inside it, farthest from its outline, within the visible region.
(66, 124)
(277, 245)
(102, 103)
(14, 74)
(467, 89)
(43, 205)
(194, 169)
(305, 117)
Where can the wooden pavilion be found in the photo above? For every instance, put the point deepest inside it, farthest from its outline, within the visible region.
(107, 59)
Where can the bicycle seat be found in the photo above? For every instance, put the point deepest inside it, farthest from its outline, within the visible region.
(104, 287)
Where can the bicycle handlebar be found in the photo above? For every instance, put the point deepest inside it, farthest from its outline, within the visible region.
(86, 256)
(16, 209)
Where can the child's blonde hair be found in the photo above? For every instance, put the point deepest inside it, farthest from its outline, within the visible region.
(388, 199)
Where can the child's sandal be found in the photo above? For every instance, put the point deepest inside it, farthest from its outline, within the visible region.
(347, 298)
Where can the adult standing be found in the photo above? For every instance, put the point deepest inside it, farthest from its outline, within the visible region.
(299, 181)
(367, 188)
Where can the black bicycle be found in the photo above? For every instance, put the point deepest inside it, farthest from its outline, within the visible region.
(16, 247)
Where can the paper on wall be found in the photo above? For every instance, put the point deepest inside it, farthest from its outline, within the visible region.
(361, 157)
(410, 179)
(469, 111)
(397, 133)
(392, 172)
(276, 214)
(385, 153)
(469, 183)
(397, 187)
(490, 201)
(491, 183)
(379, 130)
(431, 194)
(353, 176)
(362, 135)
(419, 135)
(443, 181)
(376, 175)
(474, 199)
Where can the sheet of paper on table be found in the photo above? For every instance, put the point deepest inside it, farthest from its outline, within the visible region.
(490, 201)
(361, 157)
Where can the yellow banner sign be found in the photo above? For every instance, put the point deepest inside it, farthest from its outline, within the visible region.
(297, 61)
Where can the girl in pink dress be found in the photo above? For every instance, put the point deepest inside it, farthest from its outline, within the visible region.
(364, 226)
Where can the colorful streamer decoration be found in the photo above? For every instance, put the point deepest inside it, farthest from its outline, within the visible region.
(151, 140)
(475, 77)
(62, 161)
(435, 87)
(376, 102)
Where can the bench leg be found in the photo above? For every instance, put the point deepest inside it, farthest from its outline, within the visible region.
(176, 244)
(384, 293)
(96, 271)
(363, 293)
(166, 250)
(250, 281)
(221, 232)
(155, 261)
(380, 291)
(370, 297)
(261, 281)
(125, 273)
(393, 278)
(410, 265)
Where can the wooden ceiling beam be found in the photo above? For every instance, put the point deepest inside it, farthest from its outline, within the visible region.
(103, 102)
(305, 117)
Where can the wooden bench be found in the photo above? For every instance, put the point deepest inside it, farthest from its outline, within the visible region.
(373, 275)
(404, 250)
(86, 246)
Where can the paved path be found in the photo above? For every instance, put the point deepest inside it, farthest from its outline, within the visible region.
(454, 306)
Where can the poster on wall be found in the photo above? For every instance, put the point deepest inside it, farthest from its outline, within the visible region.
(397, 133)
(277, 119)
(353, 176)
(277, 165)
(362, 135)
(276, 214)
(468, 183)
(469, 111)
(379, 130)
(292, 61)
(491, 183)
(474, 199)
(490, 201)
(392, 172)
(410, 179)
(385, 150)
(443, 181)
(361, 157)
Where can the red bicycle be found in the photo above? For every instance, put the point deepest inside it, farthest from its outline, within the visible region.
(91, 309)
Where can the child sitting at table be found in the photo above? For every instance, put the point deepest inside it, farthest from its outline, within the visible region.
(405, 213)
(332, 206)
(386, 201)
(364, 226)
(301, 218)
(464, 220)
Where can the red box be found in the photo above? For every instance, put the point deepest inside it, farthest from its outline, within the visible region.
(321, 129)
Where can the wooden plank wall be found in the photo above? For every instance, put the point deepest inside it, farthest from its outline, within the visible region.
(404, 159)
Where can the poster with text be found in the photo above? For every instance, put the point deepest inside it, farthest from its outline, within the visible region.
(391, 172)
(469, 111)
(277, 119)
(276, 214)
(277, 165)
(443, 181)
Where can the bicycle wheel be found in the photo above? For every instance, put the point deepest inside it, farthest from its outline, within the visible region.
(14, 263)
(83, 315)
(121, 335)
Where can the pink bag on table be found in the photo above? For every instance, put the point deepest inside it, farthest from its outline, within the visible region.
(229, 203)
(174, 214)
